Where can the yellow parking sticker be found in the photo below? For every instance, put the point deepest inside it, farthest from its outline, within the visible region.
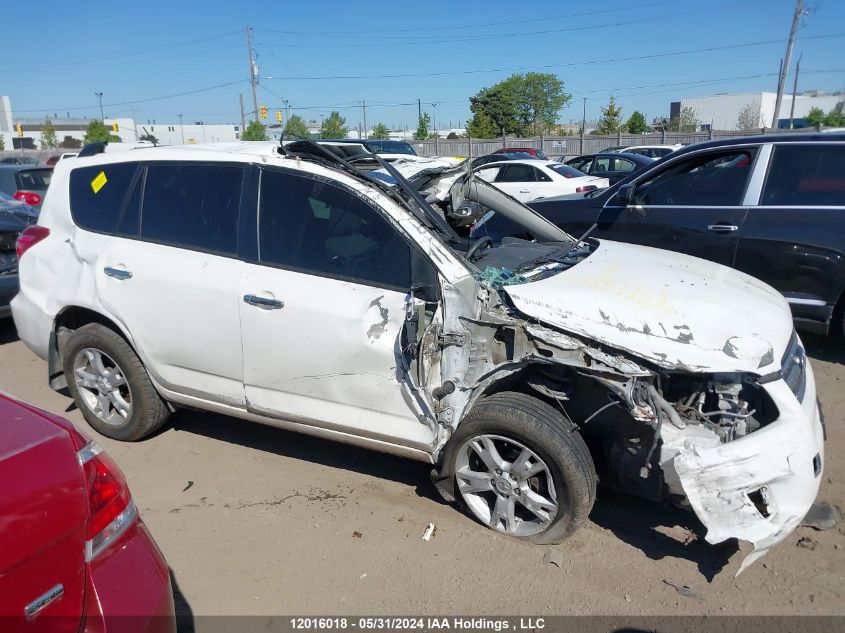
(99, 182)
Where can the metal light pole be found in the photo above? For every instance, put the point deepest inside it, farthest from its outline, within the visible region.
(134, 120)
(99, 96)
(181, 129)
(794, 92)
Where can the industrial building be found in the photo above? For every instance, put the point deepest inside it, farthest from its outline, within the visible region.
(722, 111)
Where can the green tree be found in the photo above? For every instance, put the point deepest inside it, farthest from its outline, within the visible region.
(521, 104)
(815, 117)
(255, 131)
(2, 143)
(636, 123)
(749, 118)
(836, 117)
(98, 132)
(334, 126)
(296, 128)
(686, 122)
(380, 132)
(611, 118)
(482, 126)
(48, 135)
(422, 126)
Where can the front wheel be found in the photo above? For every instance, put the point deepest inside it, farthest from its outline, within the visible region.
(521, 468)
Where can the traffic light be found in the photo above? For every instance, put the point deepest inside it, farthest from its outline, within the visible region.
(20, 130)
(114, 126)
(264, 112)
(279, 116)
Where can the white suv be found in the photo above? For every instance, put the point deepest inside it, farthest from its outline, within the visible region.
(282, 286)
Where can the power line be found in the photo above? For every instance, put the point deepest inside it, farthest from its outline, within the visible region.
(444, 73)
(445, 27)
(148, 100)
(464, 38)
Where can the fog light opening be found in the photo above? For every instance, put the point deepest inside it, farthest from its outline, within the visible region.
(758, 498)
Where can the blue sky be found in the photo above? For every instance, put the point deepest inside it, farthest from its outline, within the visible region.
(137, 52)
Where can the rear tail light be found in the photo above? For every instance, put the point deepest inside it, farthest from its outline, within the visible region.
(110, 506)
(29, 237)
(585, 188)
(29, 197)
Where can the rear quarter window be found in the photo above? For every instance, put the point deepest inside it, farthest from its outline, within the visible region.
(806, 175)
(97, 195)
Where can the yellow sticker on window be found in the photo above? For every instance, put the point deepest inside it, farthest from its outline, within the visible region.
(99, 182)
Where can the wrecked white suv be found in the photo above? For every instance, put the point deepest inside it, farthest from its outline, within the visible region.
(280, 285)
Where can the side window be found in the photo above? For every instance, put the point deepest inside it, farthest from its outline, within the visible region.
(193, 205)
(539, 176)
(98, 194)
(713, 179)
(620, 164)
(806, 175)
(488, 173)
(319, 228)
(517, 172)
(602, 164)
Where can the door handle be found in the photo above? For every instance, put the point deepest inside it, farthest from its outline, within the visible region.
(263, 302)
(722, 228)
(117, 273)
(524, 191)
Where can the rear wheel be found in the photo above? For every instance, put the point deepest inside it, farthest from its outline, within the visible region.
(522, 469)
(110, 385)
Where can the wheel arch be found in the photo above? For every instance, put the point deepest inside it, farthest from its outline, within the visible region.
(67, 320)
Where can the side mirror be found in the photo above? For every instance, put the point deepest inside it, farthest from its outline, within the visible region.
(465, 214)
(625, 195)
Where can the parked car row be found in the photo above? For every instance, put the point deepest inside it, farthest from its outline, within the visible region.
(280, 284)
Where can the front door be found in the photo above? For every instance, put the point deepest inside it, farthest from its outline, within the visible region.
(693, 206)
(324, 312)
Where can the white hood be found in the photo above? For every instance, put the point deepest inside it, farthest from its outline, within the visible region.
(671, 309)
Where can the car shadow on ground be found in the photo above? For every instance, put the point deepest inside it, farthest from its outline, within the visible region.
(660, 531)
(8, 333)
(307, 448)
(184, 613)
(826, 348)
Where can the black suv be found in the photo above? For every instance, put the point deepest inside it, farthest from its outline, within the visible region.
(772, 206)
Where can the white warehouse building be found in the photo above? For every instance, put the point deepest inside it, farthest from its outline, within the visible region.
(721, 112)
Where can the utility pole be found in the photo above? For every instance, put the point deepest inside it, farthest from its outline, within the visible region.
(583, 127)
(419, 110)
(181, 129)
(253, 80)
(364, 107)
(243, 118)
(794, 91)
(796, 19)
(99, 96)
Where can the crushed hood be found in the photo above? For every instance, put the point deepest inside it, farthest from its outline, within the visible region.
(674, 310)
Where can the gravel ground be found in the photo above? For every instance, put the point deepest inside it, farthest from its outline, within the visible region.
(256, 520)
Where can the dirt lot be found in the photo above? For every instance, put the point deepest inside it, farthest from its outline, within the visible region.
(257, 520)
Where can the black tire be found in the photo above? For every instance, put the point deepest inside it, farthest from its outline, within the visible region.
(549, 434)
(148, 411)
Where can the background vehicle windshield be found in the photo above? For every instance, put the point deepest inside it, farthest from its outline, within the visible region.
(391, 147)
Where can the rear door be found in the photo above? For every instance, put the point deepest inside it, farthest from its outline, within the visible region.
(518, 180)
(42, 521)
(794, 239)
(694, 205)
(171, 276)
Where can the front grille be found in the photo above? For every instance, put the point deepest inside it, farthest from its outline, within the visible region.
(794, 367)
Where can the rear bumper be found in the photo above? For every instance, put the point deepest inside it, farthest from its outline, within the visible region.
(33, 324)
(128, 588)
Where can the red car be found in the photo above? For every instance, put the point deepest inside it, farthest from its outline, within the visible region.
(536, 153)
(75, 555)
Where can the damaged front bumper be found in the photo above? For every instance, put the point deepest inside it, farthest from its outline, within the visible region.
(757, 488)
